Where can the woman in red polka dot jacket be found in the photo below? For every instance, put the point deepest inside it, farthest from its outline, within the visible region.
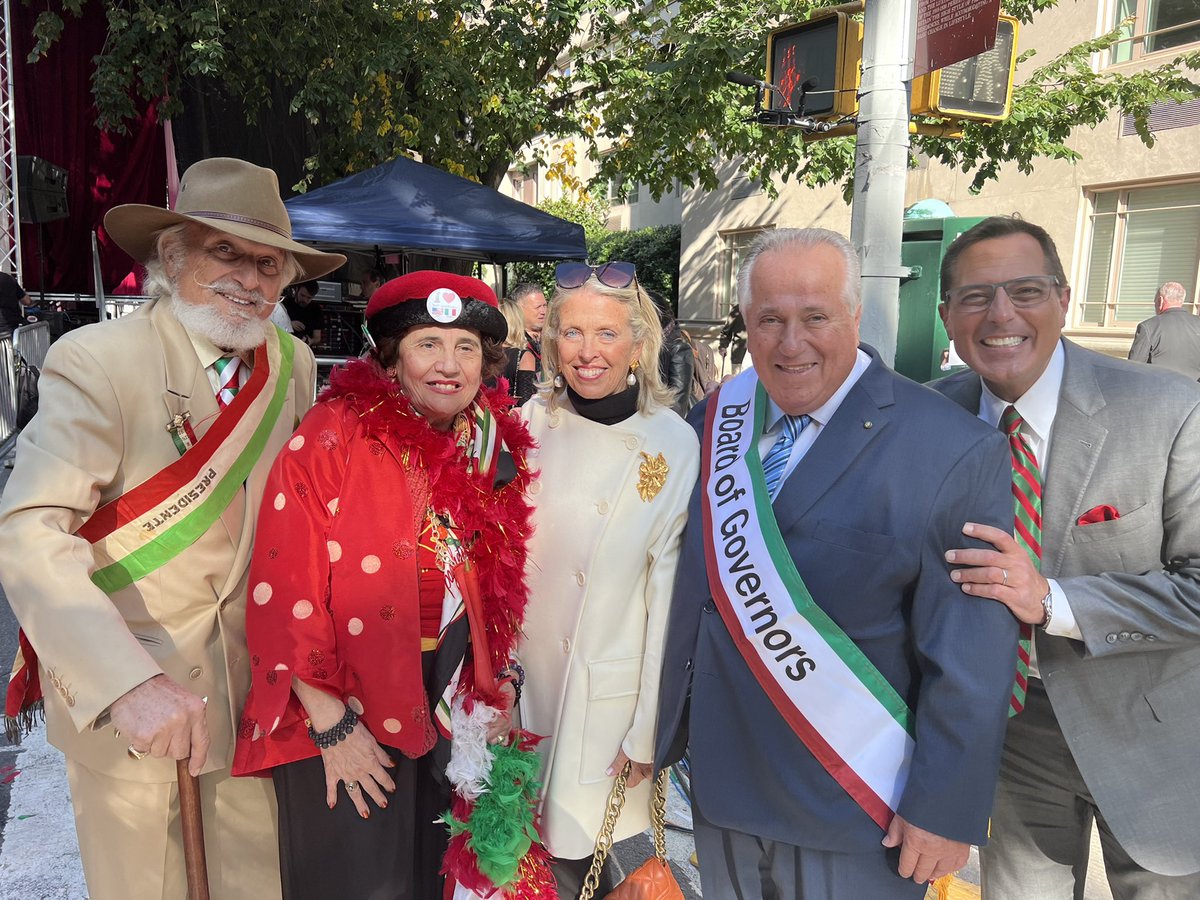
(390, 549)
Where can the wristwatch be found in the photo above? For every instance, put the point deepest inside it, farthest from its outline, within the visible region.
(1047, 610)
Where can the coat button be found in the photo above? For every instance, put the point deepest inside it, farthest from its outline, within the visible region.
(580, 579)
(602, 507)
(566, 645)
(710, 607)
(535, 488)
(1111, 638)
(1136, 635)
(631, 443)
(195, 673)
(1152, 637)
(554, 420)
(1123, 636)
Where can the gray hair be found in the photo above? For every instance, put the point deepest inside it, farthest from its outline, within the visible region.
(643, 319)
(171, 248)
(796, 240)
(1172, 294)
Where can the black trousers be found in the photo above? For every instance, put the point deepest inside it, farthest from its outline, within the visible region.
(334, 854)
(570, 873)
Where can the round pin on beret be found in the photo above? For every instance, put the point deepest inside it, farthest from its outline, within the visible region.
(444, 305)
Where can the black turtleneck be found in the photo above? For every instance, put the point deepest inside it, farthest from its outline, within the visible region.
(606, 410)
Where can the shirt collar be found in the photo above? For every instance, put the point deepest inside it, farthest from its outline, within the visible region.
(823, 413)
(209, 353)
(1037, 406)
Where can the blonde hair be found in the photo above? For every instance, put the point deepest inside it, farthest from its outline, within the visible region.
(643, 320)
(516, 322)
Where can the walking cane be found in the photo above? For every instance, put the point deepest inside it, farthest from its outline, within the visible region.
(193, 832)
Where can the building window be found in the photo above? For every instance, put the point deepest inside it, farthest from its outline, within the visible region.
(737, 245)
(615, 184)
(1157, 26)
(1140, 237)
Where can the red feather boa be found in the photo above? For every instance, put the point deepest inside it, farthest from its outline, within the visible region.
(500, 518)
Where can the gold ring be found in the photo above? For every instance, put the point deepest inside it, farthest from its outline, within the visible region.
(1004, 572)
(351, 787)
(135, 753)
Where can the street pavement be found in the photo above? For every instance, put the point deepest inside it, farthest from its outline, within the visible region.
(39, 855)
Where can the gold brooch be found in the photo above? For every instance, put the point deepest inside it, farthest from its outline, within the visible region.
(651, 476)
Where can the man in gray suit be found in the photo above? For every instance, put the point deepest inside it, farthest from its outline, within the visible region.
(1172, 337)
(847, 701)
(1112, 717)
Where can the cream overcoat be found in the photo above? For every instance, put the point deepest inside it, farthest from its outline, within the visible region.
(107, 393)
(601, 570)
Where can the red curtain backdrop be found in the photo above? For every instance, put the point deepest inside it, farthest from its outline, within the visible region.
(56, 119)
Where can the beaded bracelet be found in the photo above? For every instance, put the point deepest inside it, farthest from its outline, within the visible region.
(517, 673)
(335, 735)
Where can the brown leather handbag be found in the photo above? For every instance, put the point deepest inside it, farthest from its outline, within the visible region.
(653, 879)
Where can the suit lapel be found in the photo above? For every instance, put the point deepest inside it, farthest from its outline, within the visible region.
(846, 435)
(1075, 447)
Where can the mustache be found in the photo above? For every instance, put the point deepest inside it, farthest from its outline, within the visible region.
(233, 289)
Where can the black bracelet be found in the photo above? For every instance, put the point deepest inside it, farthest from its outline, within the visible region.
(517, 682)
(335, 735)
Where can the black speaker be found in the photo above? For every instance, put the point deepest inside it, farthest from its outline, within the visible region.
(41, 190)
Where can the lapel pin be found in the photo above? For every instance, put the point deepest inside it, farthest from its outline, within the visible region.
(868, 424)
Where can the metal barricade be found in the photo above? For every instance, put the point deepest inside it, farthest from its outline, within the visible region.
(32, 342)
(8, 394)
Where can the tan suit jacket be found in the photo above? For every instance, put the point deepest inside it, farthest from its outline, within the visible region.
(107, 393)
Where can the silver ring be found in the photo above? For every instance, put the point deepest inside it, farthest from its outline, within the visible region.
(1004, 572)
(351, 787)
(135, 753)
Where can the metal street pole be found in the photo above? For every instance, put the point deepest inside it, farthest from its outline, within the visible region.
(881, 165)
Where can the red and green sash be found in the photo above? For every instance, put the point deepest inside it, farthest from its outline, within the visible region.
(847, 714)
(148, 526)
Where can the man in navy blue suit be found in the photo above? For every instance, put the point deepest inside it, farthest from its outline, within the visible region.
(847, 707)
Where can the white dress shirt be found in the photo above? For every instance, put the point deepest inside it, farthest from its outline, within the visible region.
(1038, 407)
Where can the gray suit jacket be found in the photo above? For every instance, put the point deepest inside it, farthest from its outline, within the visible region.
(1128, 696)
(1170, 339)
(867, 516)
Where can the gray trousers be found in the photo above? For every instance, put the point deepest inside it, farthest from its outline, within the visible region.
(1041, 823)
(737, 866)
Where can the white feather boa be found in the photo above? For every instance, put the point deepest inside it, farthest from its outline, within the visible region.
(470, 756)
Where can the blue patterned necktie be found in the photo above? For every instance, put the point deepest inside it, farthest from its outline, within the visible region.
(777, 457)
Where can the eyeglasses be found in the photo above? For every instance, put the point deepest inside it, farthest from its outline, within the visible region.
(1023, 292)
(611, 274)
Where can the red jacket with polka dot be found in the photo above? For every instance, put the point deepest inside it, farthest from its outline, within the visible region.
(333, 591)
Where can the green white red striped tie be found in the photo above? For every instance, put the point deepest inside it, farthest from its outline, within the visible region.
(1027, 529)
(228, 369)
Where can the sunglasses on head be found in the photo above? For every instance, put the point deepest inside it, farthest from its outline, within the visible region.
(612, 274)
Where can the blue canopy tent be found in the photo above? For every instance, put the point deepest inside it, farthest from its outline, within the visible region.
(406, 205)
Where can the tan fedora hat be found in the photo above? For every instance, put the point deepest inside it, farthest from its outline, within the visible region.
(229, 195)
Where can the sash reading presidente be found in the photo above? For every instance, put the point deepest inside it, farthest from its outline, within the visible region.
(151, 524)
(830, 694)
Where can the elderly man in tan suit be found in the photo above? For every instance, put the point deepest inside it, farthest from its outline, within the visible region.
(125, 533)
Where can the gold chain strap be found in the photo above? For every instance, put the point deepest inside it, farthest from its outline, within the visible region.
(604, 840)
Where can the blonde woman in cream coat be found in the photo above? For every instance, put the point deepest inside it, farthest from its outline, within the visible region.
(617, 467)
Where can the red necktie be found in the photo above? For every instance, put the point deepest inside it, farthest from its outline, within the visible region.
(1027, 529)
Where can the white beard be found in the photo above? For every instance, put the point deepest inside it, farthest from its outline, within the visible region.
(207, 322)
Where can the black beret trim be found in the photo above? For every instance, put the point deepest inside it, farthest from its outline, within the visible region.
(476, 314)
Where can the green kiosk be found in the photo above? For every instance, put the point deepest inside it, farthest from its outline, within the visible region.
(922, 348)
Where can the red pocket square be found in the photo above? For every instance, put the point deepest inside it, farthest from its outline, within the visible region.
(1103, 513)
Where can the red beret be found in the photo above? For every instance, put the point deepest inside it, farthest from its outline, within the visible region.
(440, 298)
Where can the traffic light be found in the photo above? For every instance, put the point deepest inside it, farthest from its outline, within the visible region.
(815, 65)
(978, 88)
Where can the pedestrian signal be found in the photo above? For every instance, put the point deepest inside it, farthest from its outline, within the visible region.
(978, 88)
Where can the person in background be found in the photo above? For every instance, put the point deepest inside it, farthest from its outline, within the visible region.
(369, 284)
(532, 301)
(1171, 338)
(520, 367)
(676, 362)
(847, 703)
(402, 485)
(705, 377)
(732, 342)
(616, 468)
(13, 301)
(1103, 575)
(308, 318)
(131, 593)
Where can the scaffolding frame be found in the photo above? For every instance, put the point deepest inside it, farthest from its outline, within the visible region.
(10, 219)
